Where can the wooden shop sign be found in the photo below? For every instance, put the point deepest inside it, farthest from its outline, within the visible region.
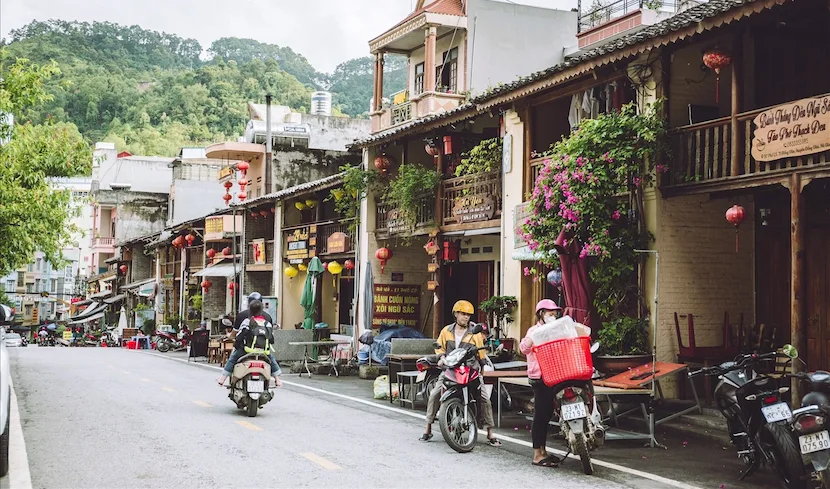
(337, 243)
(794, 129)
(474, 208)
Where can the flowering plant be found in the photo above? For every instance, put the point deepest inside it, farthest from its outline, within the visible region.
(591, 185)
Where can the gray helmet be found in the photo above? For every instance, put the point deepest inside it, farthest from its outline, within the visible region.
(254, 296)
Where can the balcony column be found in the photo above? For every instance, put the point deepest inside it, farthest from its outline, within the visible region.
(377, 92)
(737, 143)
(429, 59)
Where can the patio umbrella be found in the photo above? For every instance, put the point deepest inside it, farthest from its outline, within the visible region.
(575, 279)
(368, 298)
(315, 268)
(122, 322)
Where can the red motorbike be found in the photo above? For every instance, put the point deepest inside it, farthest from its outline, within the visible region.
(169, 341)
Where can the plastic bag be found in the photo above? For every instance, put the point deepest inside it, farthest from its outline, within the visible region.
(564, 327)
(381, 388)
(487, 389)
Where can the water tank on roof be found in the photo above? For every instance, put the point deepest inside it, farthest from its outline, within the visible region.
(321, 103)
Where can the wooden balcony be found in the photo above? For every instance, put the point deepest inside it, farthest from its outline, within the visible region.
(388, 222)
(195, 258)
(704, 158)
(472, 201)
(251, 263)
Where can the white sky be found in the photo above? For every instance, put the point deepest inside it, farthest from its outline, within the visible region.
(326, 32)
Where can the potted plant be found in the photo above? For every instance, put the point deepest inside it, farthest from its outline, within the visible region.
(623, 345)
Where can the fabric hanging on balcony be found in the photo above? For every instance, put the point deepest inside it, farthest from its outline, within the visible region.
(575, 279)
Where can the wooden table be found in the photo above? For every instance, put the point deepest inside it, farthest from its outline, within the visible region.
(510, 365)
(307, 357)
(402, 361)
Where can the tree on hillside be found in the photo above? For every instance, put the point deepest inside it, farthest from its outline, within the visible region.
(244, 51)
(352, 82)
(33, 216)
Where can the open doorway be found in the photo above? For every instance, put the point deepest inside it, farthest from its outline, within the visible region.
(471, 281)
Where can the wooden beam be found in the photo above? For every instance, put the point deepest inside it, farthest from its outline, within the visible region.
(737, 67)
(798, 310)
(437, 316)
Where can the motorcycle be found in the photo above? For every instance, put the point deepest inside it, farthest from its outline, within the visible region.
(108, 338)
(167, 341)
(250, 383)
(809, 423)
(758, 417)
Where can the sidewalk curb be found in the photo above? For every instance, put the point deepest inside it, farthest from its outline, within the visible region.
(19, 476)
(601, 463)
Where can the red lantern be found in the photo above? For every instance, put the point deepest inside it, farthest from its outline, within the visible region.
(190, 238)
(451, 250)
(242, 182)
(211, 253)
(243, 166)
(263, 213)
(326, 266)
(206, 285)
(228, 184)
(227, 251)
(273, 210)
(242, 195)
(123, 269)
(231, 287)
(735, 215)
(254, 215)
(447, 145)
(432, 149)
(383, 254)
(383, 163)
(716, 60)
(348, 264)
(178, 241)
(227, 198)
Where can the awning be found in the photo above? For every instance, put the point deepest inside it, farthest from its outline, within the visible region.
(115, 299)
(137, 284)
(89, 311)
(88, 319)
(84, 302)
(525, 254)
(221, 270)
(147, 290)
(107, 279)
(100, 295)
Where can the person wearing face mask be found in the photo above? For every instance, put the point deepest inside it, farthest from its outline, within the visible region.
(543, 396)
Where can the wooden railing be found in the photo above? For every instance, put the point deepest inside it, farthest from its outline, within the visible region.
(703, 152)
(484, 185)
(269, 253)
(385, 215)
(325, 231)
(195, 255)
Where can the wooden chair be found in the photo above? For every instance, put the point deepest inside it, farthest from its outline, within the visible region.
(213, 351)
(227, 349)
(705, 356)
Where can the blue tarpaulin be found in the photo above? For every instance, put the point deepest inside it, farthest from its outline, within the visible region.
(382, 343)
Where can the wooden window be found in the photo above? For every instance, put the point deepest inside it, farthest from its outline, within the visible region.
(419, 79)
(447, 72)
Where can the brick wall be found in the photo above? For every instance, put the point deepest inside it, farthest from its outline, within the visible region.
(259, 227)
(700, 272)
(259, 282)
(213, 302)
(142, 265)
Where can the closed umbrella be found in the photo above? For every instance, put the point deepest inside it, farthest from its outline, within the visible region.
(315, 268)
(368, 298)
(576, 280)
(122, 322)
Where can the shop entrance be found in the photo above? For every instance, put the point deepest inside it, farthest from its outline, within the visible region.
(471, 281)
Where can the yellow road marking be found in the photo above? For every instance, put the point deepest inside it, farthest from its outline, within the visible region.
(201, 403)
(169, 389)
(321, 461)
(144, 380)
(248, 425)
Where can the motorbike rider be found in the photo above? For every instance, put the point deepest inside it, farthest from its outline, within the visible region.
(543, 396)
(243, 315)
(451, 337)
(43, 334)
(243, 337)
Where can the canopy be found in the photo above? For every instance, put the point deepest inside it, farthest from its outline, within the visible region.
(97, 315)
(114, 299)
(100, 295)
(315, 268)
(575, 279)
(225, 270)
(137, 284)
(93, 309)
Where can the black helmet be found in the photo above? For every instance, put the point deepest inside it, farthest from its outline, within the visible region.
(254, 296)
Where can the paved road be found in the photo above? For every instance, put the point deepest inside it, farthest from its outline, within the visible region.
(110, 418)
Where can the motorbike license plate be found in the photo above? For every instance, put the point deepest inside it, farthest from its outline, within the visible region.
(814, 442)
(256, 386)
(421, 376)
(777, 412)
(574, 411)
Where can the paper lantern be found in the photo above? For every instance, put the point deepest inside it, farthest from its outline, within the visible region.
(291, 272)
(227, 198)
(273, 210)
(242, 182)
(311, 203)
(228, 184)
(716, 60)
(325, 265)
(349, 264)
(338, 193)
(232, 287)
(555, 277)
(254, 215)
(243, 166)
(263, 213)
(190, 238)
(383, 254)
(302, 267)
(123, 269)
(300, 206)
(735, 215)
(432, 149)
(447, 145)
(335, 268)
(242, 195)
(206, 285)
(210, 253)
(227, 251)
(383, 162)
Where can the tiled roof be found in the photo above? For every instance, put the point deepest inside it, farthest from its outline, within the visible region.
(688, 18)
(446, 7)
(320, 184)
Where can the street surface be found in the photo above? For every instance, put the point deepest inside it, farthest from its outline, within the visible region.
(112, 418)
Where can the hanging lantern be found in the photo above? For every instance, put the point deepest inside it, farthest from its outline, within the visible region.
(254, 215)
(716, 60)
(210, 253)
(300, 206)
(325, 266)
(383, 162)
(190, 238)
(227, 251)
(383, 254)
(228, 184)
(178, 241)
(206, 285)
(432, 149)
(348, 264)
(242, 182)
(232, 287)
(273, 210)
(452, 249)
(263, 213)
(227, 198)
(735, 215)
(335, 268)
(447, 145)
(123, 269)
(243, 166)
(338, 193)
(555, 277)
(302, 267)
(291, 272)
(242, 195)
(311, 203)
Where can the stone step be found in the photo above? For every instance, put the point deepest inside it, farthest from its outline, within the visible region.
(704, 421)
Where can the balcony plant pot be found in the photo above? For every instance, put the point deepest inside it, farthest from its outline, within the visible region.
(623, 345)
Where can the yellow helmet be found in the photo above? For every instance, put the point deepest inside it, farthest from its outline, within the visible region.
(463, 306)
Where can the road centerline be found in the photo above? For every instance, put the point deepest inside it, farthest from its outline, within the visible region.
(249, 426)
(322, 462)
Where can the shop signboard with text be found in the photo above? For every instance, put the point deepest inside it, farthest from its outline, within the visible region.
(301, 244)
(397, 304)
(795, 129)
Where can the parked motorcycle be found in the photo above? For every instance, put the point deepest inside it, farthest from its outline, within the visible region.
(168, 341)
(108, 338)
(810, 423)
(758, 417)
(458, 415)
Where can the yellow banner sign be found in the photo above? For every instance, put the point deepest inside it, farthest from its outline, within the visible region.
(225, 173)
(794, 129)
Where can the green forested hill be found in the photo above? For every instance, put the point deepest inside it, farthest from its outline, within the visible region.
(152, 93)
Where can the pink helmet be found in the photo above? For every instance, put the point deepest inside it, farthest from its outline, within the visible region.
(547, 304)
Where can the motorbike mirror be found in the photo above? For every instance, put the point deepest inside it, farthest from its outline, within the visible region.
(790, 351)
(595, 347)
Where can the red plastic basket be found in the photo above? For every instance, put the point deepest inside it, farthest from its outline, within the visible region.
(566, 359)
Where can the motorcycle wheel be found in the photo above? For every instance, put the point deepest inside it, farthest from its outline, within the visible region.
(581, 449)
(252, 408)
(786, 455)
(450, 418)
(824, 477)
(163, 346)
(429, 386)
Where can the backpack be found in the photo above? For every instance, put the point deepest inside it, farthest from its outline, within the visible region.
(260, 337)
